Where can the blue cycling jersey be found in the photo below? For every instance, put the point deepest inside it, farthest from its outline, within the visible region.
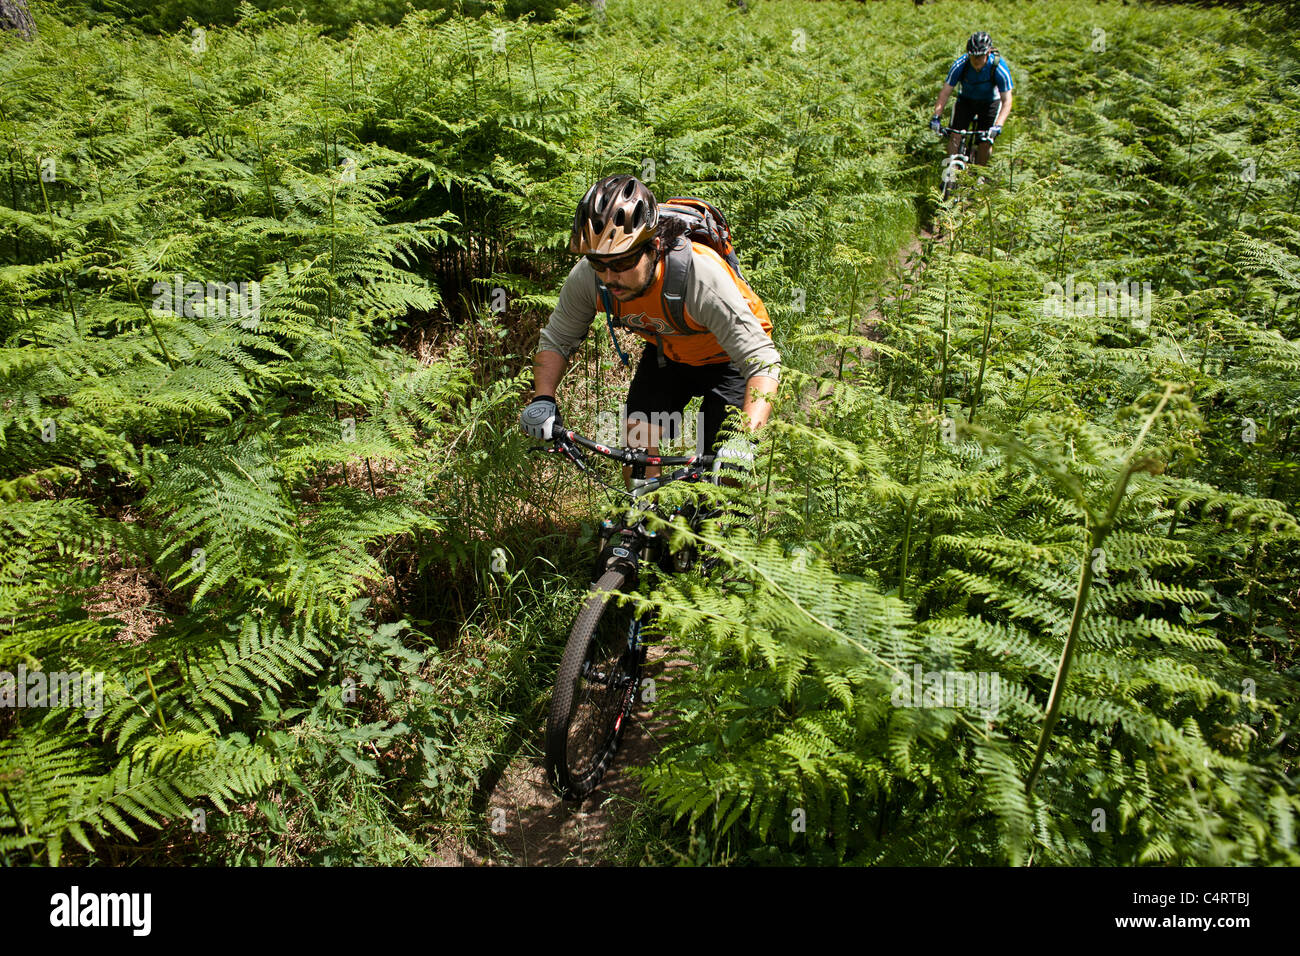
(981, 85)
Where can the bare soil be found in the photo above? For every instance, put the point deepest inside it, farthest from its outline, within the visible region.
(541, 829)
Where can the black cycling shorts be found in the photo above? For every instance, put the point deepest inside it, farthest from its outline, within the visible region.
(661, 394)
(966, 110)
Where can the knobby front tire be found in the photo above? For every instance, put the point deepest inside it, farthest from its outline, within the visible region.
(594, 692)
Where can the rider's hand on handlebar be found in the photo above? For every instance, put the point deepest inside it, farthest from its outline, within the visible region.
(735, 457)
(993, 132)
(934, 124)
(541, 418)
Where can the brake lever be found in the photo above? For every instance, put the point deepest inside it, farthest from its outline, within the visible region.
(570, 451)
(577, 457)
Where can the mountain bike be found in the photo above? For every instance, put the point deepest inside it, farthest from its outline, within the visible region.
(600, 671)
(956, 163)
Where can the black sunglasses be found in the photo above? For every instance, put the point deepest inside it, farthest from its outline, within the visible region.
(621, 264)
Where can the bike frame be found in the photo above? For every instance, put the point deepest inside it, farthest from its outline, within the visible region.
(959, 160)
(623, 545)
(603, 657)
(634, 539)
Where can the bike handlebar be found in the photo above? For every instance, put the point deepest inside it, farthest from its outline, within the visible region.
(569, 444)
(633, 456)
(981, 135)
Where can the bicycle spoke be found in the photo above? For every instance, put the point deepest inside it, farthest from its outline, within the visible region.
(583, 739)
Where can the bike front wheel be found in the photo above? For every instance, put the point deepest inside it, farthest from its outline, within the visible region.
(595, 690)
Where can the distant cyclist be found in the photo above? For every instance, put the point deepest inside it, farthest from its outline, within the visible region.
(985, 94)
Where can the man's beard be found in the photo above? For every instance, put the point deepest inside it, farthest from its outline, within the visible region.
(640, 291)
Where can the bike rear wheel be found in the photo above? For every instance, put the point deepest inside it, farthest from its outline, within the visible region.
(595, 690)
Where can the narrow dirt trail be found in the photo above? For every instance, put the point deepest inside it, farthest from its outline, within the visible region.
(541, 829)
(909, 260)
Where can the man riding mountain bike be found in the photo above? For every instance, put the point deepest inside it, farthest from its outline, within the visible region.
(710, 340)
(985, 94)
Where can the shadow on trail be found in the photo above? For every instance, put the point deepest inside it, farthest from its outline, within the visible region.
(540, 829)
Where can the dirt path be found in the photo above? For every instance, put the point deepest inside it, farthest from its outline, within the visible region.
(540, 829)
(909, 260)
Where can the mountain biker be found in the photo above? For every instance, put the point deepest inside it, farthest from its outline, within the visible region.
(729, 361)
(985, 94)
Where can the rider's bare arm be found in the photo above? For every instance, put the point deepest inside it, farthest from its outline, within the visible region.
(1006, 108)
(757, 407)
(573, 315)
(943, 100)
(548, 369)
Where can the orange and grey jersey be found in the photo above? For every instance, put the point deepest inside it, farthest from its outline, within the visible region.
(732, 321)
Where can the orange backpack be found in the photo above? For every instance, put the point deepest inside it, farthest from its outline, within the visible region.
(705, 224)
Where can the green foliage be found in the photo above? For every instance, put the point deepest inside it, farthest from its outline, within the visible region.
(959, 480)
(336, 18)
(1009, 476)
